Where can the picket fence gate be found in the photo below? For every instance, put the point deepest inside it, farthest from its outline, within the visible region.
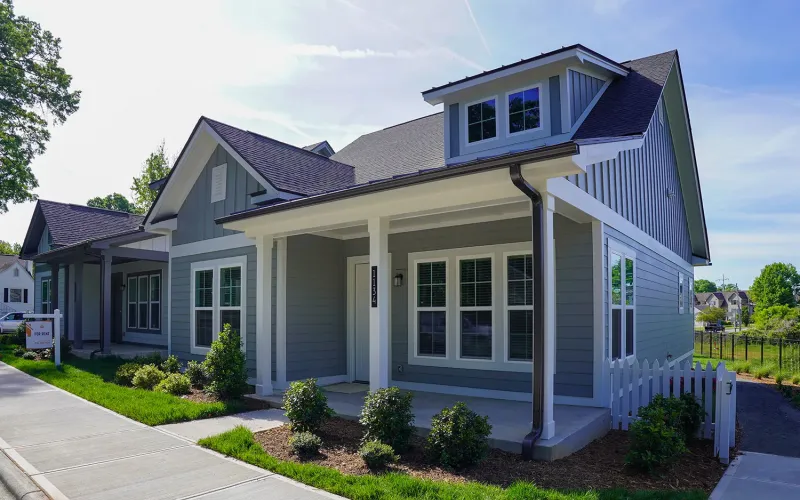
(634, 385)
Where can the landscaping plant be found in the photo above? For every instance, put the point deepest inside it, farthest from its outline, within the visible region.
(305, 444)
(306, 406)
(125, 373)
(29, 355)
(387, 418)
(458, 437)
(780, 377)
(171, 365)
(196, 373)
(18, 351)
(66, 348)
(18, 337)
(153, 358)
(175, 384)
(377, 455)
(763, 371)
(796, 380)
(225, 365)
(147, 377)
(741, 366)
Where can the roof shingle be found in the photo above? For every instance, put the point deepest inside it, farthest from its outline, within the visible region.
(70, 224)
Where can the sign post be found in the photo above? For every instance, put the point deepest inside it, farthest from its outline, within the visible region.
(40, 334)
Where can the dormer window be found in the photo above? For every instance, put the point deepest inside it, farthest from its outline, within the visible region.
(523, 110)
(482, 120)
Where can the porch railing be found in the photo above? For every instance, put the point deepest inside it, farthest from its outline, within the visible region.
(634, 385)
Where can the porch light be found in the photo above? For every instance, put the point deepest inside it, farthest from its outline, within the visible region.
(398, 280)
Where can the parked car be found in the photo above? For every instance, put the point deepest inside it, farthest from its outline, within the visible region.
(715, 327)
(10, 322)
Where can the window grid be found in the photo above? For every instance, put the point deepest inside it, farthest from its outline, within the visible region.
(46, 303)
(15, 295)
(144, 302)
(203, 313)
(524, 110)
(230, 296)
(482, 120)
(431, 308)
(218, 288)
(622, 300)
(519, 306)
(476, 307)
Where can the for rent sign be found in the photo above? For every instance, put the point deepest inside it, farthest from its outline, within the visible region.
(39, 334)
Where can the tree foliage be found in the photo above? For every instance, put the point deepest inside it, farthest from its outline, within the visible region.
(704, 286)
(778, 321)
(7, 248)
(775, 286)
(114, 201)
(729, 287)
(155, 167)
(34, 93)
(711, 315)
(746, 319)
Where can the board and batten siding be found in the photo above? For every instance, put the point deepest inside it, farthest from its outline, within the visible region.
(582, 88)
(661, 330)
(44, 272)
(643, 186)
(197, 214)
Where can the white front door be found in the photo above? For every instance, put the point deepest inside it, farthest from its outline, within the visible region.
(362, 322)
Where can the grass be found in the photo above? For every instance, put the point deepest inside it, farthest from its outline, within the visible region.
(740, 366)
(764, 371)
(91, 380)
(239, 443)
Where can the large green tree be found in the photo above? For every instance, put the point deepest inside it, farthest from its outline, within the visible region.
(711, 315)
(776, 285)
(729, 287)
(7, 248)
(704, 286)
(114, 201)
(154, 168)
(34, 93)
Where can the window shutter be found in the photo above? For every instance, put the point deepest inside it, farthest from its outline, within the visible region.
(5, 294)
(25, 295)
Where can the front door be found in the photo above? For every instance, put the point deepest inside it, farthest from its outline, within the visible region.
(116, 307)
(362, 283)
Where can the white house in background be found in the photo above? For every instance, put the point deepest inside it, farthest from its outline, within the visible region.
(16, 284)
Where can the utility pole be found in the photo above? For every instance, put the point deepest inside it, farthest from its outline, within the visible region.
(722, 281)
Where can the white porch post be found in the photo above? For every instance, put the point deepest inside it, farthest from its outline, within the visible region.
(379, 303)
(548, 424)
(264, 315)
(280, 314)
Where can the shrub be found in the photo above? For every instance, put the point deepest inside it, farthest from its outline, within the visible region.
(741, 366)
(653, 442)
(306, 406)
(66, 348)
(18, 337)
(29, 355)
(147, 377)
(153, 358)
(125, 374)
(6, 339)
(171, 365)
(175, 384)
(683, 414)
(305, 444)
(196, 373)
(796, 379)
(19, 352)
(225, 365)
(387, 418)
(763, 371)
(780, 377)
(377, 455)
(692, 415)
(458, 437)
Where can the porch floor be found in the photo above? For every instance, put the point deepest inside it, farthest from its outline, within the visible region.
(124, 351)
(576, 426)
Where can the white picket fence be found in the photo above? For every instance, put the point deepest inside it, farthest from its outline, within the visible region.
(634, 385)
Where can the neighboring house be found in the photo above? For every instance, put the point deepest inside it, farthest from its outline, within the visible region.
(16, 285)
(733, 302)
(321, 148)
(546, 222)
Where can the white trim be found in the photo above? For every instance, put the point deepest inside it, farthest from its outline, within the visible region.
(463, 391)
(216, 266)
(601, 376)
(507, 110)
(238, 240)
(459, 308)
(167, 225)
(680, 358)
(280, 313)
(227, 147)
(321, 381)
(169, 294)
(466, 106)
(681, 294)
(264, 333)
(507, 308)
(625, 253)
(413, 290)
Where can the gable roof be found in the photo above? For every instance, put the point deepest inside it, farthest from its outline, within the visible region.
(8, 261)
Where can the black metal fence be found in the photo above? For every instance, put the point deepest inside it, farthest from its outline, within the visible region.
(784, 354)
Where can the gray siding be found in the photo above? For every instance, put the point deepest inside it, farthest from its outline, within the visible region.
(182, 296)
(555, 105)
(660, 329)
(316, 311)
(44, 272)
(583, 88)
(196, 216)
(454, 128)
(643, 186)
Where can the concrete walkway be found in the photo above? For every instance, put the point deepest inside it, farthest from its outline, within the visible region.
(259, 420)
(75, 449)
(758, 475)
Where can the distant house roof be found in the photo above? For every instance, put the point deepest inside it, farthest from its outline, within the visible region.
(7, 261)
(321, 148)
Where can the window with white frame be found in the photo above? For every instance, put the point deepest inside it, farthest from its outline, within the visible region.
(690, 295)
(218, 300)
(155, 302)
(475, 308)
(431, 308)
(144, 302)
(622, 317)
(16, 272)
(203, 307)
(46, 297)
(681, 293)
(482, 120)
(15, 295)
(524, 110)
(230, 298)
(519, 307)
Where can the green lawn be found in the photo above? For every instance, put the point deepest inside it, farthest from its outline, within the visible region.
(91, 380)
(239, 443)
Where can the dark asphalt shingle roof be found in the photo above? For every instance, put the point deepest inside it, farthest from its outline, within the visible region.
(7, 261)
(287, 167)
(311, 147)
(70, 224)
(629, 102)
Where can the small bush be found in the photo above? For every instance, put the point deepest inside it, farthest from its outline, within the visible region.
(377, 455)
(125, 374)
(653, 442)
(780, 377)
(175, 384)
(153, 358)
(18, 352)
(763, 371)
(692, 415)
(387, 418)
(225, 365)
(147, 377)
(171, 365)
(196, 373)
(741, 366)
(29, 355)
(6, 339)
(306, 406)
(683, 414)
(796, 379)
(305, 444)
(458, 437)
(18, 337)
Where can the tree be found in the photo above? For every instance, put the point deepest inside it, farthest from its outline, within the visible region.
(704, 286)
(154, 168)
(7, 248)
(775, 285)
(34, 93)
(729, 287)
(745, 315)
(114, 201)
(711, 315)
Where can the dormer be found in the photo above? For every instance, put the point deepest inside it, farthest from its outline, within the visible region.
(528, 104)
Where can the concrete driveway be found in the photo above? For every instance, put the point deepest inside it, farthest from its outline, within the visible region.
(75, 449)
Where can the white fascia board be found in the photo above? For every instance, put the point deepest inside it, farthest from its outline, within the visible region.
(260, 178)
(586, 57)
(590, 154)
(163, 227)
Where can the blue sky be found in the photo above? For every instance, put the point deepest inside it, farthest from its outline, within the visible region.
(335, 69)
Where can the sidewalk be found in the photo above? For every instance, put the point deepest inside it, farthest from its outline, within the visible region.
(77, 450)
(758, 475)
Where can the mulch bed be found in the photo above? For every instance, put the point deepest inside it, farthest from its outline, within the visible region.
(600, 465)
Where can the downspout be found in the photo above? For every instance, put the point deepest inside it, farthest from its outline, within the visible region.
(537, 223)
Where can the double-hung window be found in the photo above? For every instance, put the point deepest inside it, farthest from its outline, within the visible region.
(432, 308)
(482, 120)
(475, 308)
(523, 110)
(519, 307)
(217, 300)
(681, 294)
(622, 295)
(144, 302)
(691, 296)
(46, 297)
(15, 295)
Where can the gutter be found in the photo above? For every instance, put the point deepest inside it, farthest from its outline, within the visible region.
(537, 242)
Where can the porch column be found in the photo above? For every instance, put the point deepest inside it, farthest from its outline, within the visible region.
(379, 303)
(105, 301)
(280, 313)
(55, 267)
(77, 302)
(548, 424)
(264, 315)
